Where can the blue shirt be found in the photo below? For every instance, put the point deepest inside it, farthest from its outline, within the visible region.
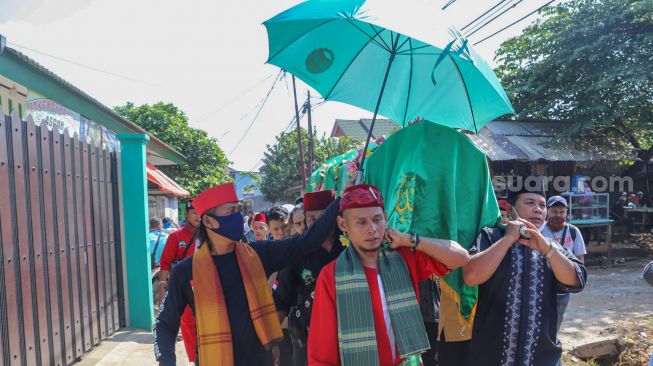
(161, 236)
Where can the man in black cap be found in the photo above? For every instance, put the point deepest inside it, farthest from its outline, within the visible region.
(567, 236)
(519, 273)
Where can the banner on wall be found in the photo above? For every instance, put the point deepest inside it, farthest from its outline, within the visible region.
(44, 110)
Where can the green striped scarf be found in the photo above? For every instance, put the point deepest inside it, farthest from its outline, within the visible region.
(356, 337)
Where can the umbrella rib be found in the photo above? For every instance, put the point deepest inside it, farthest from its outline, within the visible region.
(347, 68)
(401, 45)
(373, 38)
(378, 34)
(410, 83)
(469, 101)
(300, 36)
(411, 49)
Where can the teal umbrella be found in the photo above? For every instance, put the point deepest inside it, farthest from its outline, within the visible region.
(351, 51)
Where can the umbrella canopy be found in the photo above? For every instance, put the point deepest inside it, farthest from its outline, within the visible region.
(351, 51)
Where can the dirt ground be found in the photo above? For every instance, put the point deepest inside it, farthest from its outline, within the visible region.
(616, 302)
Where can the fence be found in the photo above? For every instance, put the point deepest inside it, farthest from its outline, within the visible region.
(60, 260)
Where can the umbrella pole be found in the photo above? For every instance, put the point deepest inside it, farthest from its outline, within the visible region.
(359, 171)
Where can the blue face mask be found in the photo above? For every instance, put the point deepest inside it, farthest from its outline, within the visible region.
(231, 226)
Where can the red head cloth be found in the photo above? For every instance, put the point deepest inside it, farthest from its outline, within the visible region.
(318, 201)
(260, 217)
(503, 204)
(359, 196)
(214, 197)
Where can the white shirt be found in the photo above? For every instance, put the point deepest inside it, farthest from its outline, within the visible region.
(386, 317)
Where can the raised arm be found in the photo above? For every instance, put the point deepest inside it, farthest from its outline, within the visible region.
(565, 270)
(276, 255)
(482, 265)
(447, 252)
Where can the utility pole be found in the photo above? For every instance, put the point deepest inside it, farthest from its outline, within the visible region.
(302, 166)
(311, 140)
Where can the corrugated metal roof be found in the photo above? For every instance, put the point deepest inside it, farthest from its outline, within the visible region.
(528, 128)
(358, 129)
(536, 141)
(544, 148)
(496, 147)
(534, 148)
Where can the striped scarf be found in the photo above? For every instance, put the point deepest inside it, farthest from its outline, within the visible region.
(356, 337)
(213, 329)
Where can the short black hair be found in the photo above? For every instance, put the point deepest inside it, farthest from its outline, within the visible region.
(277, 213)
(189, 205)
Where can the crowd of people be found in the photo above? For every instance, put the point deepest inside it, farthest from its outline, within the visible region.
(327, 282)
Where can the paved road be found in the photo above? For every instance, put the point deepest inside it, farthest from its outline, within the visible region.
(129, 348)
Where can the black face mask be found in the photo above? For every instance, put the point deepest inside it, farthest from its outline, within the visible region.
(231, 226)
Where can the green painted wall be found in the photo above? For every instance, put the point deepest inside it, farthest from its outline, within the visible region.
(135, 227)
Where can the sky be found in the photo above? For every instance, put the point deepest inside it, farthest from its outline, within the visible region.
(206, 57)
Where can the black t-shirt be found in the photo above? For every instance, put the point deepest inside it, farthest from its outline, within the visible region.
(294, 289)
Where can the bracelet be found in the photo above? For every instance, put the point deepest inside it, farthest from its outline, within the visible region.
(415, 240)
(553, 248)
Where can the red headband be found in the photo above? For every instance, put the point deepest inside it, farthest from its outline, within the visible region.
(317, 201)
(360, 196)
(214, 197)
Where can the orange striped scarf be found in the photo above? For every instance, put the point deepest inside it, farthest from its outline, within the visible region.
(213, 329)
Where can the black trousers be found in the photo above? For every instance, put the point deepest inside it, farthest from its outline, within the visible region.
(299, 355)
(451, 353)
(430, 357)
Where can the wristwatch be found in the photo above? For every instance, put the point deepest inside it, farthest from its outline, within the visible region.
(414, 240)
(553, 247)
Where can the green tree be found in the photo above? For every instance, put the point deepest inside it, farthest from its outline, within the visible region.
(590, 61)
(207, 164)
(280, 171)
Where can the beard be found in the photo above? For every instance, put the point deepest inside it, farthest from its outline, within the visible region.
(369, 250)
(556, 223)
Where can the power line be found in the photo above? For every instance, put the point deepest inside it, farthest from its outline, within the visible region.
(255, 165)
(203, 118)
(515, 22)
(257, 112)
(448, 4)
(86, 66)
(494, 18)
(482, 15)
(487, 19)
(291, 124)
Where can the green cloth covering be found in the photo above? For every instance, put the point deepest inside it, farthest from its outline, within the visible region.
(336, 171)
(356, 336)
(435, 182)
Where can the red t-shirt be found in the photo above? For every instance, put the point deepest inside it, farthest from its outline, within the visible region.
(323, 335)
(176, 245)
